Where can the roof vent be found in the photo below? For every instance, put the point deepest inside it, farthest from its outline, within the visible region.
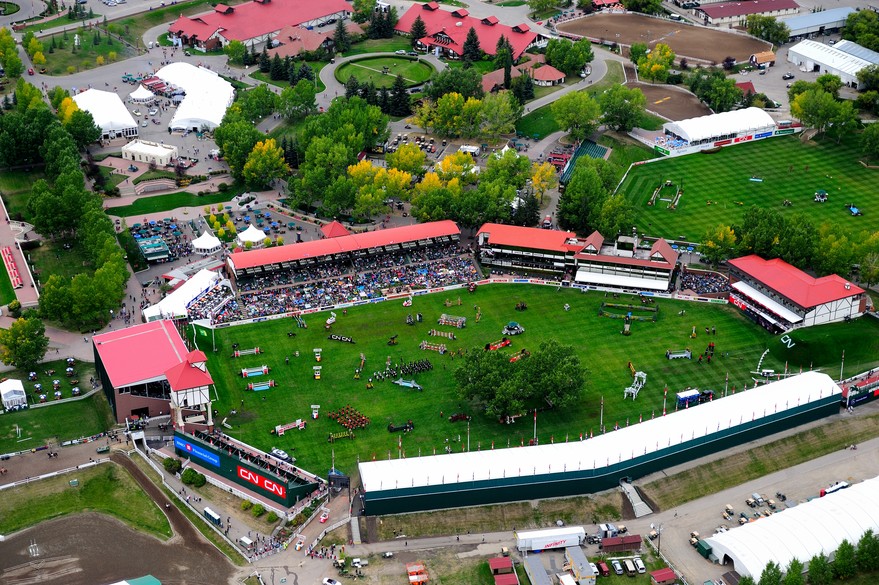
(459, 23)
(848, 286)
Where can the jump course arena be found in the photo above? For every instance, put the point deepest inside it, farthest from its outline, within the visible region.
(692, 42)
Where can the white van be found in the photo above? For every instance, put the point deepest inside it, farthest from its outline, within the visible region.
(676, 17)
(639, 565)
(630, 568)
(245, 543)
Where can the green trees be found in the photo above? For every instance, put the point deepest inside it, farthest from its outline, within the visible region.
(235, 51)
(655, 65)
(399, 103)
(767, 28)
(538, 6)
(862, 27)
(844, 565)
(236, 137)
(24, 344)
(794, 573)
(82, 128)
(580, 205)
(713, 86)
(577, 113)
(567, 56)
(466, 82)
(622, 107)
(341, 38)
(869, 141)
(417, 31)
(298, 101)
(498, 114)
(771, 574)
(867, 556)
(645, 6)
(408, 158)
(552, 374)
(472, 51)
(265, 163)
(815, 108)
(820, 571)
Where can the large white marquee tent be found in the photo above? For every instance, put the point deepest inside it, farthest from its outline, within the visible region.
(720, 126)
(175, 304)
(207, 96)
(252, 234)
(603, 450)
(12, 393)
(108, 111)
(801, 532)
(207, 243)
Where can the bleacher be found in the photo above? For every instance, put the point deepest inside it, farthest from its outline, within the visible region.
(586, 148)
(11, 267)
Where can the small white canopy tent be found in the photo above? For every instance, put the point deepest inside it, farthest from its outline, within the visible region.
(175, 304)
(142, 95)
(252, 234)
(12, 393)
(207, 243)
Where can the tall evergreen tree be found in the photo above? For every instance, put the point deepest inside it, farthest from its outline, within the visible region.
(306, 72)
(384, 100)
(507, 57)
(418, 30)
(276, 69)
(265, 63)
(341, 38)
(472, 51)
(370, 94)
(352, 87)
(399, 104)
(502, 45)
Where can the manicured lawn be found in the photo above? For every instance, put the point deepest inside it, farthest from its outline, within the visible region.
(172, 201)
(603, 351)
(53, 258)
(55, 23)
(8, 8)
(7, 293)
(112, 178)
(395, 43)
(718, 187)
(624, 153)
(58, 422)
(156, 174)
(512, 3)
(413, 70)
(650, 122)
(87, 55)
(105, 488)
(316, 66)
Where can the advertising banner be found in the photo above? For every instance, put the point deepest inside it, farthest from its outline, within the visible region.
(196, 451)
(661, 150)
(261, 482)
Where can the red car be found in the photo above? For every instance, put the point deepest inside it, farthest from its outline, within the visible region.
(30, 71)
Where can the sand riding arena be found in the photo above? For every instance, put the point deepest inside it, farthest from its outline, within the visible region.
(692, 42)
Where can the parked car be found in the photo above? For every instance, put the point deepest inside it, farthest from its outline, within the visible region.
(154, 111)
(328, 581)
(324, 517)
(412, 54)
(144, 124)
(617, 567)
(400, 52)
(787, 76)
(278, 454)
(30, 71)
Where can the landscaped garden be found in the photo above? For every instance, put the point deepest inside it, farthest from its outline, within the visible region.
(381, 71)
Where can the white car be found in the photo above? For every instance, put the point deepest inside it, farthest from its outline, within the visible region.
(400, 52)
(143, 124)
(278, 454)
(594, 569)
(136, 112)
(328, 581)
(154, 111)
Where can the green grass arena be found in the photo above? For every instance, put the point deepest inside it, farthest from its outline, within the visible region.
(604, 352)
(717, 187)
(372, 69)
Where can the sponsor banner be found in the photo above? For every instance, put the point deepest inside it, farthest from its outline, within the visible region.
(661, 150)
(723, 142)
(358, 303)
(521, 281)
(783, 132)
(438, 289)
(344, 305)
(742, 139)
(197, 451)
(258, 320)
(537, 282)
(377, 300)
(763, 135)
(481, 282)
(718, 301)
(418, 293)
(327, 308)
(308, 311)
(262, 482)
(222, 325)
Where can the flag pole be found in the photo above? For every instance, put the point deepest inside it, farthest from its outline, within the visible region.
(841, 365)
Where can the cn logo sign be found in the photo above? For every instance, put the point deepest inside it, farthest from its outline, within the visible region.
(262, 482)
(785, 339)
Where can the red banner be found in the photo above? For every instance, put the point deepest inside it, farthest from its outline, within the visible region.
(261, 482)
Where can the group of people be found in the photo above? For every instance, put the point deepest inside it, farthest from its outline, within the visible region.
(364, 278)
(704, 283)
(350, 418)
(408, 369)
(207, 304)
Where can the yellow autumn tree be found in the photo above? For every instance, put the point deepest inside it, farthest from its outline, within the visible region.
(543, 178)
(66, 109)
(455, 165)
(265, 163)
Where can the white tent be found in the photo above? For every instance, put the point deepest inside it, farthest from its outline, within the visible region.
(627, 443)
(142, 95)
(207, 243)
(149, 152)
(252, 234)
(717, 126)
(108, 111)
(174, 305)
(801, 532)
(207, 96)
(12, 393)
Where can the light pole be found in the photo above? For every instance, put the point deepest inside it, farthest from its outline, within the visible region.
(659, 541)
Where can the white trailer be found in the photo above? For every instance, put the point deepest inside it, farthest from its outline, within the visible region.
(537, 540)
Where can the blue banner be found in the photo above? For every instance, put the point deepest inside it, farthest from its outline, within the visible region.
(762, 135)
(196, 451)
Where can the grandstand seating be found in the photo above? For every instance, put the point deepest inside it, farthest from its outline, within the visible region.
(586, 148)
(11, 267)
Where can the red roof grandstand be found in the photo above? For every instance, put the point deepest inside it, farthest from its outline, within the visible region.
(122, 352)
(255, 19)
(531, 238)
(448, 30)
(334, 229)
(794, 284)
(342, 244)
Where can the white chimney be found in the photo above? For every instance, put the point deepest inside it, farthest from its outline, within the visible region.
(459, 24)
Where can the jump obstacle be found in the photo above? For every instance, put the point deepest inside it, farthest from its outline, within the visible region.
(317, 351)
(409, 384)
(637, 384)
(604, 312)
(241, 352)
(446, 334)
(454, 321)
(260, 386)
(300, 322)
(522, 354)
(252, 372)
(438, 347)
(497, 344)
(342, 435)
(675, 354)
(297, 424)
(673, 202)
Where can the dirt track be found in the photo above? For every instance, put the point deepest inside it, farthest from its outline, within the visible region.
(671, 102)
(685, 40)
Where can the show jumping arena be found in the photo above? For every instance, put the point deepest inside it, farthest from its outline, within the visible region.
(692, 42)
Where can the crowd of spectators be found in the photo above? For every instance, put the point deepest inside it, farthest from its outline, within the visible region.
(366, 278)
(208, 303)
(704, 282)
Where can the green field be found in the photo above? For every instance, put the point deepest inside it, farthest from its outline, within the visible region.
(171, 201)
(371, 70)
(603, 351)
(718, 189)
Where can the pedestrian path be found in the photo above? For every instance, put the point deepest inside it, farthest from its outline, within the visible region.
(640, 506)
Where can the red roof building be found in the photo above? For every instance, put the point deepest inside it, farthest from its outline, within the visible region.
(506, 579)
(628, 262)
(255, 22)
(313, 252)
(334, 229)
(295, 39)
(446, 31)
(737, 12)
(500, 565)
(664, 576)
(781, 297)
(747, 87)
(141, 366)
